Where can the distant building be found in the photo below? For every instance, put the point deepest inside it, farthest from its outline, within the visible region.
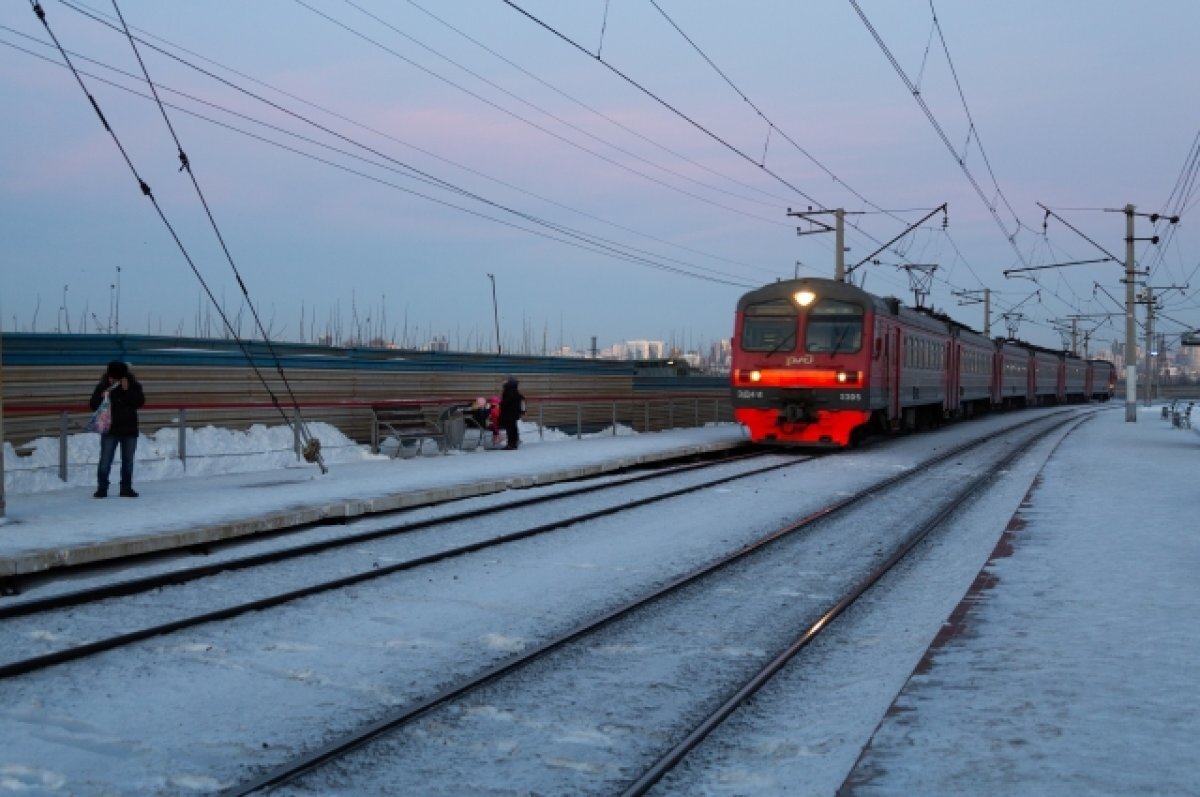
(635, 350)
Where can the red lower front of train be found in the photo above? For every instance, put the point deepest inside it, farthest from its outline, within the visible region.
(827, 428)
(801, 406)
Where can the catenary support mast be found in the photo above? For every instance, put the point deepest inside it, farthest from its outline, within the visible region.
(1130, 325)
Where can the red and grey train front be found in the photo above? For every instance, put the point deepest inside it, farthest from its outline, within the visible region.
(800, 371)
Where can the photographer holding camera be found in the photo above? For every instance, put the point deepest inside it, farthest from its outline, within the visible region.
(124, 396)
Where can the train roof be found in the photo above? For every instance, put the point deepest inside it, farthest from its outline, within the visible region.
(844, 291)
(825, 288)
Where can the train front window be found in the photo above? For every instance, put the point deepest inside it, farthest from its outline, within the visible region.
(834, 326)
(769, 326)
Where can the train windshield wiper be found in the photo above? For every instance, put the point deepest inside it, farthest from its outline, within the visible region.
(787, 339)
(837, 343)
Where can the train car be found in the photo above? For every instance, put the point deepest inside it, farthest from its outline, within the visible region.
(1101, 380)
(1011, 385)
(1074, 387)
(819, 362)
(1045, 378)
(972, 362)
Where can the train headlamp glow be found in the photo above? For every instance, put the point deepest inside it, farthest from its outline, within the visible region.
(755, 376)
(848, 377)
(804, 298)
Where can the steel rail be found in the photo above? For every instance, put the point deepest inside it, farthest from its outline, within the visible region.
(65, 655)
(407, 714)
(672, 757)
(141, 584)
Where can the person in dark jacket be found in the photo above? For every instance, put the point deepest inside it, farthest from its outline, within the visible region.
(124, 396)
(512, 407)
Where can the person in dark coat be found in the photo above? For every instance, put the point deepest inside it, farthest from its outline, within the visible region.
(125, 396)
(512, 407)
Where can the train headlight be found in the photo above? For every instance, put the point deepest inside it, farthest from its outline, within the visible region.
(804, 298)
(755, 376)
(849, 377)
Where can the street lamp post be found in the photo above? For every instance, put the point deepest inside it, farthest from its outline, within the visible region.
(495, 312)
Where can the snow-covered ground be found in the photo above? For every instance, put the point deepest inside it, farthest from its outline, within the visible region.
(1074, 673)
(210, 451)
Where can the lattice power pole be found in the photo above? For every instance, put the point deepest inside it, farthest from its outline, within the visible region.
(920, 280)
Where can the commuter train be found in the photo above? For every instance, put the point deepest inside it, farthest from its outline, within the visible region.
(818, 362)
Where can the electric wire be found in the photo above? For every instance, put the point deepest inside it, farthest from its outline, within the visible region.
(706, 131)
(298, 425)
(1186, 196)
(443, 184)
(142, 185)
(345, 153)
(611, 120)
(568, 40)
(542, 128)
(973, 130)
(916, 94)
(613, 250)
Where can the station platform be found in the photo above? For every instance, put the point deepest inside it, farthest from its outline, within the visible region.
(1070, 666)
(68, 527)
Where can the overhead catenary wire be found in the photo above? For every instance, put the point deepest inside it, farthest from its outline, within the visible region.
(958, 158)
(580, 241)
(411, 171)
(743, 155)
(312, 446)
(354, 32)
(595, 111)
(149, 194)
(413, 24)
(375, 164)
(706, 131)
(670, 107)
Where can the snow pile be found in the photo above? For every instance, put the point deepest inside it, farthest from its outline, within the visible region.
(212, 451)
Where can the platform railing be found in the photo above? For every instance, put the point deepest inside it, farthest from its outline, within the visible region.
(573, 416)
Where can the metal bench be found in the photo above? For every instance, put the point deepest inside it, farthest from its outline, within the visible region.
(407, 423)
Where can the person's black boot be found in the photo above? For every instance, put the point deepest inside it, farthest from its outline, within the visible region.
(101, 492)
(127, 492)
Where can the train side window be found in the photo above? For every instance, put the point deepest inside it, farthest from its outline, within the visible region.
(770, 326)
(834, 326)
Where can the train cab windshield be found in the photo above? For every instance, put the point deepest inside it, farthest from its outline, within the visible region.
(769, 326)
(834, 326)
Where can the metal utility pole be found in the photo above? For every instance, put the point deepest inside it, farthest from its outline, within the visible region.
(495, 312)
(1149, 344)
(1130, 330)
(1130, 324)
(839, 231)
(972, 297)
(1154, 345)
(839, 269)
(1, 425)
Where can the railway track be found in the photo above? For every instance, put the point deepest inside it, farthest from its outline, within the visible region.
(23, 593)
(82, 615)
(632, 686)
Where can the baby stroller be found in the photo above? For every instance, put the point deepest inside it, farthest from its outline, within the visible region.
(483, 416)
